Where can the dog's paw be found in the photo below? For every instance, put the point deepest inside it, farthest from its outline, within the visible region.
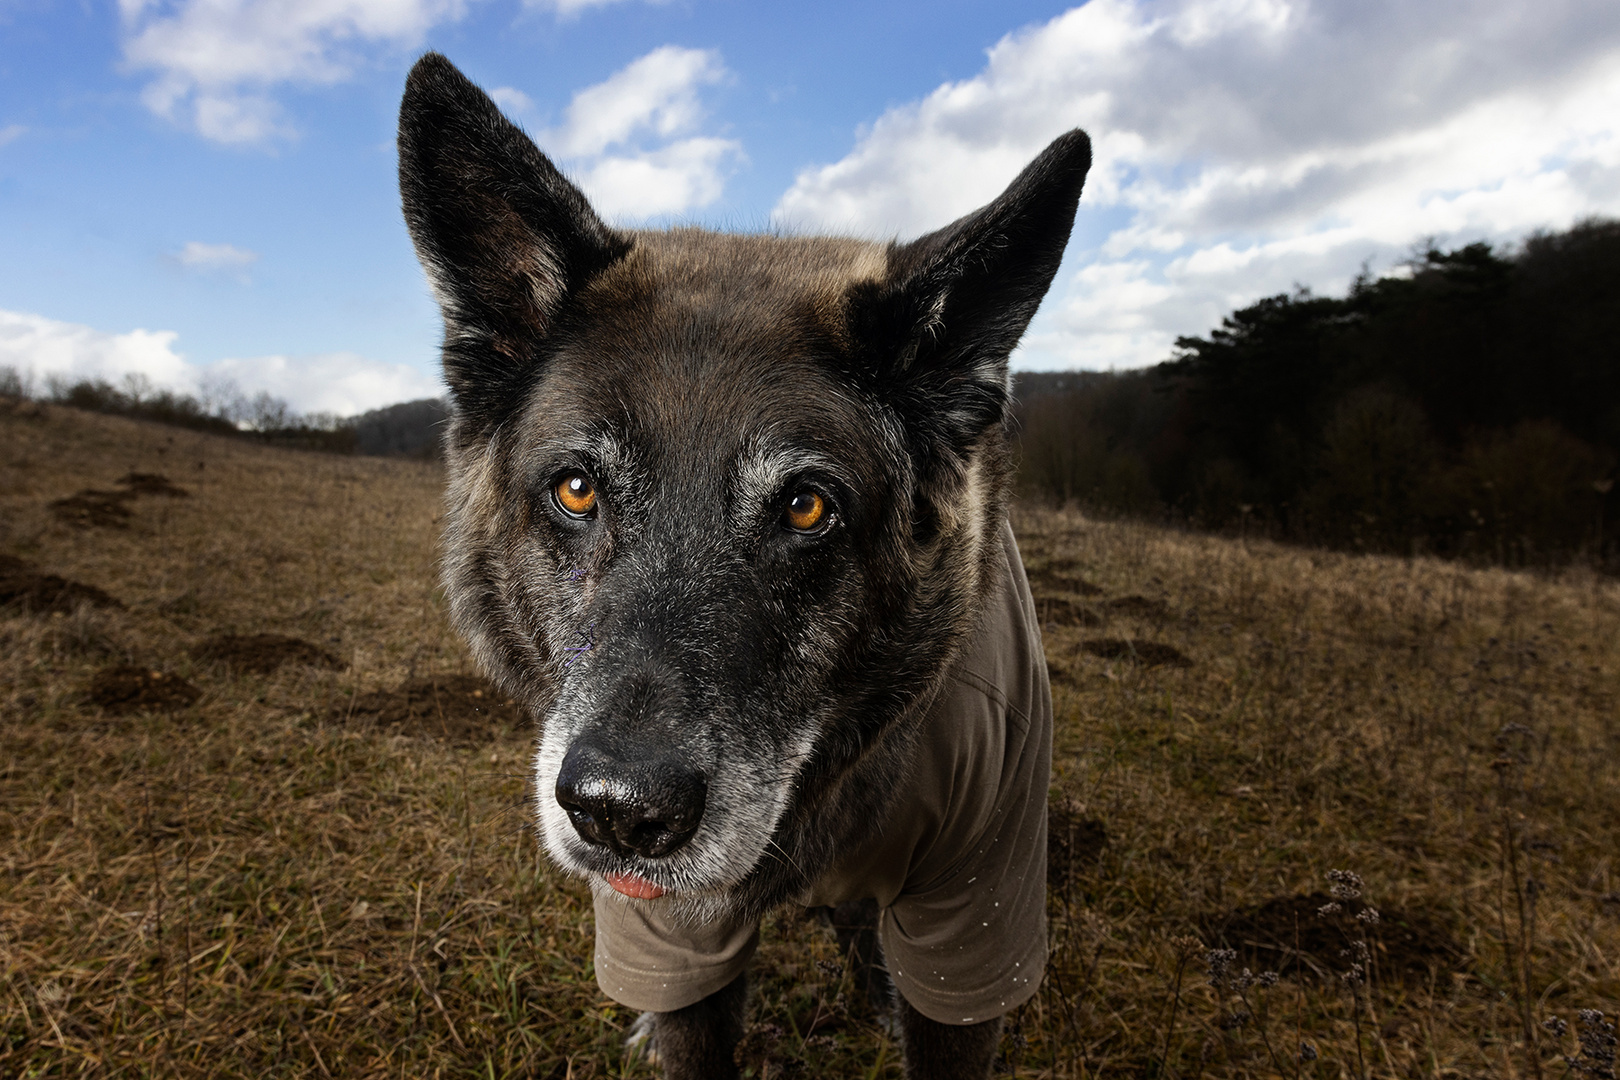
(639, 1044)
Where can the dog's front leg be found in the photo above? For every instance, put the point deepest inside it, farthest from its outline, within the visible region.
(698, 1042)
(936, 1051)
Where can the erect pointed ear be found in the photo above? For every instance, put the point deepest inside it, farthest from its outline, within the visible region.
(936, 331)
(504, 237)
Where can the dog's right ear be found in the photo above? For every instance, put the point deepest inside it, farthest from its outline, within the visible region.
(504, 237)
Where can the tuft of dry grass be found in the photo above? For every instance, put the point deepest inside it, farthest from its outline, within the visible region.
(321, 866)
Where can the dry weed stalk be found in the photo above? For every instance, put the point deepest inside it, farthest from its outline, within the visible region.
(1186, 950)
(1518, 945)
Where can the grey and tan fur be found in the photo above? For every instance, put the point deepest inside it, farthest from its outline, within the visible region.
(745, 691)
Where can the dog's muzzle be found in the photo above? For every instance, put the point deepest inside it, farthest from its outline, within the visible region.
(639, 807)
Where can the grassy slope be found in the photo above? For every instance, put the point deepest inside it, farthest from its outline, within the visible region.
(267, 884)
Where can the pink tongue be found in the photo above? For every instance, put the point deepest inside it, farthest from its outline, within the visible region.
(638, 888)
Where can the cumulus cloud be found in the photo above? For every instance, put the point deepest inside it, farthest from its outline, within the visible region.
(633, 141)
(1244, 145)
(567, 9)
(342, 383)
(512, 100)
(669, 180)
(40, 349)
(215, 62)
(657, 93)
(11, 133)
(216, 258)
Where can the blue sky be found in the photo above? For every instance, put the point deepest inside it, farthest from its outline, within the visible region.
(203, 190)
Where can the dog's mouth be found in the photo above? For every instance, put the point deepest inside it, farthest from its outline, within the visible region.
(634, 886)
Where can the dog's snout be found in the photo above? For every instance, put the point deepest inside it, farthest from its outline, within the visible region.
(647, 808)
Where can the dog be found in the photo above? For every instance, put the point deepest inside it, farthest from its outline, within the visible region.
(727, 513)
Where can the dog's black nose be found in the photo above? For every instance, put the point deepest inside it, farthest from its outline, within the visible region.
(649, 808)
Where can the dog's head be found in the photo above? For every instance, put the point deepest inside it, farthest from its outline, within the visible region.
(721, 507)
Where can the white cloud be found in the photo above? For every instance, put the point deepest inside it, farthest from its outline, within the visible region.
(669, 180)
(11, 133)
(216, 258)
(39, 348)
(512, 100)
(567, 9)
(216, 61)
(343, 383)
(1241, 146)
(633, 140)
(657, 93)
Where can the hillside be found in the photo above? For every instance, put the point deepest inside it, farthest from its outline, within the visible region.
(1467, 404)
(224, 853)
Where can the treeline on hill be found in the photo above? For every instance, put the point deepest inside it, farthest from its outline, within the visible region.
(409, 429)
(1470, 407)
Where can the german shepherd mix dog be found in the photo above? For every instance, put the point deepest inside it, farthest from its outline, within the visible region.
(728, 513)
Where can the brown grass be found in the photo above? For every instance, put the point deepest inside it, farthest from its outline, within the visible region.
(322, 869)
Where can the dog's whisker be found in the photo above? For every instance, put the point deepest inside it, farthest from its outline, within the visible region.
(791, 860)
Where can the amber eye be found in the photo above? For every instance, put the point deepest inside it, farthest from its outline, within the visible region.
(805, 511)
(575, 494)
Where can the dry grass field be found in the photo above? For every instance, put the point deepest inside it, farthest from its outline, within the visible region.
(259, 817)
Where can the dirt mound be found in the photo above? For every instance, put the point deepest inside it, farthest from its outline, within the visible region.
(263, 653)
(1151, 653)
(94, 509)
(1061, 611)
(1074, 842)
(457, 708)
(1069, 583)
(129, 688)
(1063, 676)
(145, 483)
(1061, 575)
(1141, 607)
(1405, 944)
(22, 584)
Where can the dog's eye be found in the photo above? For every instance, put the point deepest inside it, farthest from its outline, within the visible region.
(575, 494)
(805, 512)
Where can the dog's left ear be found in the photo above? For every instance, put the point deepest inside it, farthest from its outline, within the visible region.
(935, 333)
